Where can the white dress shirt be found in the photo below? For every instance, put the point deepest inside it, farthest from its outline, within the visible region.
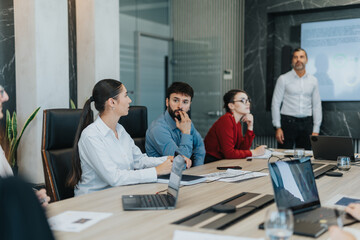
(107, 161)
(5, 169)
(299, 97)
(353, 231)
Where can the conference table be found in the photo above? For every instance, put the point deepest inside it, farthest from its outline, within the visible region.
(159, 224)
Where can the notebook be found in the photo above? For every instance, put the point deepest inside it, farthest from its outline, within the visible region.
(295, 188)
(330, 147)
(185, 179)
(158, 201)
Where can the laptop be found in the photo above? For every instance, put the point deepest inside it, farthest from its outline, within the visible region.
(158, 201)
(330, 147)
(295, 188)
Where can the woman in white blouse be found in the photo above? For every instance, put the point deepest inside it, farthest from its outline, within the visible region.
(105, 155)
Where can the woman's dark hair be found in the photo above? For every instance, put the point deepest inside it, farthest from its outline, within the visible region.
(4, 141)
(103, 90)
(229, 97)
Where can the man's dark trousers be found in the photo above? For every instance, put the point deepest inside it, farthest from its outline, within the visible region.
(296, 132)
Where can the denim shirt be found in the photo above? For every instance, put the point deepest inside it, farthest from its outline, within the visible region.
(164, 138)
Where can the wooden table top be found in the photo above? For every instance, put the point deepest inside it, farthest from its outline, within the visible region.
(157, 224)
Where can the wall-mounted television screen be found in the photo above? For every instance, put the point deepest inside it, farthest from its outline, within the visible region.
(333, 49)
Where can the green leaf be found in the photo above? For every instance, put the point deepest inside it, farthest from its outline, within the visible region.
(13, 148)
(72, 104)
(14, 125)
(32, 116)
(11, 130)
(8, 126)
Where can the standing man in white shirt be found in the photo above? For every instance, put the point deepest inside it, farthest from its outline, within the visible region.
(296, 105)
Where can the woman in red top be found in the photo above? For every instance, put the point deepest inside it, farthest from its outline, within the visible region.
(225, 139)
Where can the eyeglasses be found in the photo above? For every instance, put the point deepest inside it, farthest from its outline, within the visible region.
(243, 100)
(2, 90)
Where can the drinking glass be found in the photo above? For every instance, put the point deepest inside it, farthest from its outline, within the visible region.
(299, 153)
(279, 224)
(343, 163)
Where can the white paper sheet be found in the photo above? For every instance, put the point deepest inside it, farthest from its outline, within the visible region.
(307, 152)
(276, 153)
(75, 221)
(266, 155)
(181, 235)
(232, 175)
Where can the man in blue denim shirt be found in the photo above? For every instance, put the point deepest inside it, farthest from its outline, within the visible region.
(173, 131)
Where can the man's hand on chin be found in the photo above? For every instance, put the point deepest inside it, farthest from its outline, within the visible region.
(185, 124)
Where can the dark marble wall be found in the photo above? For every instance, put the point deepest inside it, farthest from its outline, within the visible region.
(7, 52)
(270, 25)
(72, 52)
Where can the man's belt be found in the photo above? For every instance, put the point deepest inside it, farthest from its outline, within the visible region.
(297, 119)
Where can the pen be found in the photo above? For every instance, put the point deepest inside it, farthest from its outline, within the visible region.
(338, 218)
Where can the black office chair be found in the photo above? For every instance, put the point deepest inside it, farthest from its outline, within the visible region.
(59, 129)
(136, 124)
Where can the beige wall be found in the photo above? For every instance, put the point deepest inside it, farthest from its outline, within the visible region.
(42, 72)
(98, 46)
(42, 63)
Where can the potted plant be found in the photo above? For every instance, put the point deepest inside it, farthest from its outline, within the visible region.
(12, 136)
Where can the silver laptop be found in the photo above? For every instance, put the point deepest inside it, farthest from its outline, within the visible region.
(158, 201)
(330, 147)
(295, 188)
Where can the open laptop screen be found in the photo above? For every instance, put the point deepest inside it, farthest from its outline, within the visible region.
(175, 176)
(294, 185)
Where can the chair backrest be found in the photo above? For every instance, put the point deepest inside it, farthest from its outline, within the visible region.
(136, 124)
(59, 129)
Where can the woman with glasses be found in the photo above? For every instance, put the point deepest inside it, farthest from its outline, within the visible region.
(225, 139)
(104, 153)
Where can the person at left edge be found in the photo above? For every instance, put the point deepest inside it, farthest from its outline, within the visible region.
(5, 169)
(174, 131)
(105, 155)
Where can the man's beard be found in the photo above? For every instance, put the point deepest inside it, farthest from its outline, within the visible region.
(173, 113)
(299, 67)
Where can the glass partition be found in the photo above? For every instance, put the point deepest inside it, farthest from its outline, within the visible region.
(198, 62)
(144, 43)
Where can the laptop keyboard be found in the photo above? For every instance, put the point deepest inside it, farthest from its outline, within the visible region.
(158, 200)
